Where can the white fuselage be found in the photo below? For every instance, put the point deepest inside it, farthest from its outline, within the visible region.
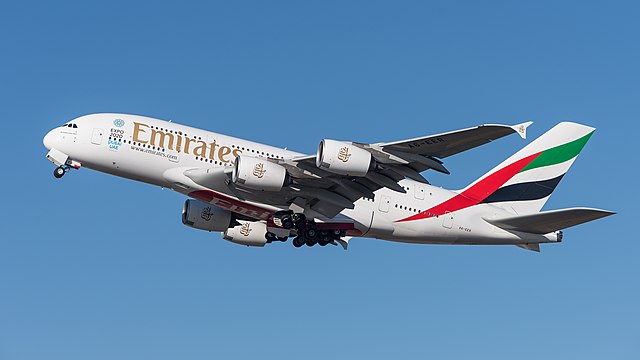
(159, 152)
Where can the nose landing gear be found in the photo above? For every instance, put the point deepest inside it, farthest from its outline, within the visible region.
(60, 171)
(65, 167)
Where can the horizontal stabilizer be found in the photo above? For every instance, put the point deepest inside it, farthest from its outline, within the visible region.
(530, 247)
(549, 221)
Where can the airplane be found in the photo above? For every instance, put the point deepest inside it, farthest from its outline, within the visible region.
(256, 194)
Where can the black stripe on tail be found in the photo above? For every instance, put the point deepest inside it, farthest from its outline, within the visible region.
(524, 191)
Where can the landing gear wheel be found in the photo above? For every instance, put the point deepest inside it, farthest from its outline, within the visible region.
(283, 219)
(270, 236)
(298, 241)
(324, 237)
(287, 223)
(300, 225)
(59, 172)
(310, 233)
(299, 220)
(310, 242)
(282, 238)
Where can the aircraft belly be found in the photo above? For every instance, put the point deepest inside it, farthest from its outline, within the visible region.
(381, 227)
(428, 230)
(361, 216)
(130, 166)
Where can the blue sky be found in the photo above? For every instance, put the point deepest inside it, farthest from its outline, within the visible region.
(97, 267)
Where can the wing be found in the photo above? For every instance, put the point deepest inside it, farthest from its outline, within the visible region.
(319, 193)
(451, 143)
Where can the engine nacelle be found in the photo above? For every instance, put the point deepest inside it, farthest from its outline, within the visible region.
(203, 216)
(343, 159)
(259, 174)
(250, 233)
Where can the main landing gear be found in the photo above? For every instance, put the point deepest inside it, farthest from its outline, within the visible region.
(310, 236)
(289, 220)
(271, 237)
(307, 233)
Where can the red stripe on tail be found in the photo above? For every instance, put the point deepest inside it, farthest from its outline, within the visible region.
(477, 192)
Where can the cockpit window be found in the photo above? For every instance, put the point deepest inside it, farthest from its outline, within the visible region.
(75, 126)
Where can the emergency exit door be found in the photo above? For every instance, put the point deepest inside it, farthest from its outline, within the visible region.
(447, 220)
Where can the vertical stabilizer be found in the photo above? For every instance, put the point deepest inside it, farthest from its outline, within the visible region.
(524, 182)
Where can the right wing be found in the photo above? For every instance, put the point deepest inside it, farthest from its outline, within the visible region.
(396, 160)
(317, 192)
(451, 143)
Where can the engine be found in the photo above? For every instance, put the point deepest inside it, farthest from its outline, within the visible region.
(343, 158)
(203, 216)
(259, 174)
(250, 233)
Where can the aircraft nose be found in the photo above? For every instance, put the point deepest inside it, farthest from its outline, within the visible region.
(48, 140)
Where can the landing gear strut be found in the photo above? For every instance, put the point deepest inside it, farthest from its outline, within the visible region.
(289, 220)
(271, 237)
(310, 236)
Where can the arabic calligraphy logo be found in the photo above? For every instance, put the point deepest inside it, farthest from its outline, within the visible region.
(245, 229)
(206, 214)
(258, 170)
(521, 129)
(343, 154)
(118, 123)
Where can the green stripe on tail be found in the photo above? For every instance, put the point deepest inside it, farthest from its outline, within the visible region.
(558, 154)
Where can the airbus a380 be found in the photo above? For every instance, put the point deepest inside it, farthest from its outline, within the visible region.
(256, 194)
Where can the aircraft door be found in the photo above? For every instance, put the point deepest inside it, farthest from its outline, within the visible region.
(385, 203)
(96, 136)
(447, 220)
(419, 192)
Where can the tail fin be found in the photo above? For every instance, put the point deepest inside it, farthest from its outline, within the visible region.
(524, 182)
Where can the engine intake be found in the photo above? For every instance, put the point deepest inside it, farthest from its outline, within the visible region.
(250, 233)
(203, 216)
(259, 174)
(343, 158)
